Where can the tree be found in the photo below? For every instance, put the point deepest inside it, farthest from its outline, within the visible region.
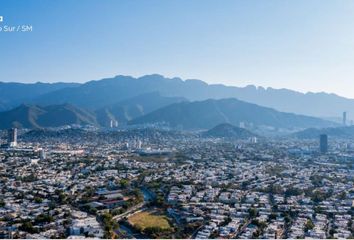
(256, 234)
(28, 227)
(342, 195)
(155, 232)
(38, 200)
(138, 195)
(309, 225)
(253, 212)
(124, 183)
(117, 211)
(262, 225)
(273, 216)
(44, 218)
(293, 191)
(318, 196)
(109, 225)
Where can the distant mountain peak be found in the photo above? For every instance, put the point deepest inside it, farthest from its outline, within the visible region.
(227, 130)
(211, 112)
(34, 116)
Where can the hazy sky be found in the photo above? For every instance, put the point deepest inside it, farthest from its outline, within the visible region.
(302, 45)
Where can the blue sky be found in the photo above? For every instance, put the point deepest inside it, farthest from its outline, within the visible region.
(304, 45)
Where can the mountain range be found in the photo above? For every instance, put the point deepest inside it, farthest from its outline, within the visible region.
(209, 113)
(34, 116)
(154, 108)
(129, 109)
(101, 93)
(226, 130)
(14, 94)
(337, 132)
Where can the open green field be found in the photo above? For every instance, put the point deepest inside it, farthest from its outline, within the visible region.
(148, 219)
(156, 159)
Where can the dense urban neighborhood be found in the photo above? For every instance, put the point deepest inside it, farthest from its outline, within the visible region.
(80, 182)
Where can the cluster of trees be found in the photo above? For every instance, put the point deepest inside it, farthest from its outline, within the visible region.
(291, 191)
(273, 189)
(316, 180)
(342, 195)
(89, 209)
(261, 226)
(43, 218)
(2, 203)
(137, 197)
(27, 226)
(158, 232)
(117, 211)
(319, 196)
(155, 185)
(88, 193)
(277, 189)
(289, 215)
(109, 225)
(275, 170)
(28, 178)
(159, 201)
(252, 212)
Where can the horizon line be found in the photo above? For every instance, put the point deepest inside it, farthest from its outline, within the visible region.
(258, 87)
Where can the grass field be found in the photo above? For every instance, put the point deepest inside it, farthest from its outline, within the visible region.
(146, 219)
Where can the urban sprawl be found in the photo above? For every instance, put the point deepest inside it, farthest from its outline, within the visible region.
(78, 182)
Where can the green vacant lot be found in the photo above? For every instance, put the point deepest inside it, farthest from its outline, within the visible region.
(149, 219)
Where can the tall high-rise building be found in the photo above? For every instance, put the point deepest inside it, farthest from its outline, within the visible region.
(323, 143)
(254, 139)
(113, 123)
(42, 154)
(344, 118)
(139, 144)
(12, 137)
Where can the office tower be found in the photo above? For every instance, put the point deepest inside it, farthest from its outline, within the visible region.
(114, 123)
(139, 145)
(42, 154)
(12, 137)
(323, 143)
(344, 118)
